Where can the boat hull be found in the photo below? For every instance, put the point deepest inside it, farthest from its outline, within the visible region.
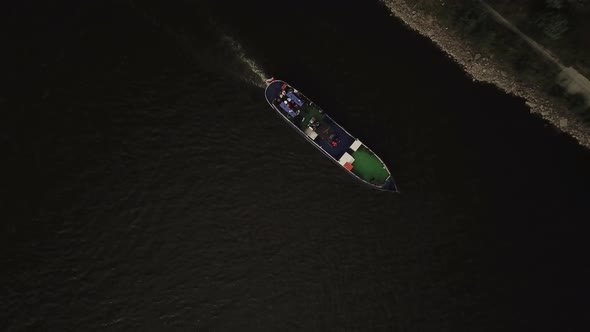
(299, 109)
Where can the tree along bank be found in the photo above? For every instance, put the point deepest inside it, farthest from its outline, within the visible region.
(491, 48)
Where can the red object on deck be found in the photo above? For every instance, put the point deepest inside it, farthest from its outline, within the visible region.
(284, 86)
(348, 166)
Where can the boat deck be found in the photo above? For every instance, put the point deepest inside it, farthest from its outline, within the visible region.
(368, 167)
(307, 111)
(327, 135)
(345, 140)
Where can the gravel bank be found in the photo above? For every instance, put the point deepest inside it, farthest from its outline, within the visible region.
(483, 68)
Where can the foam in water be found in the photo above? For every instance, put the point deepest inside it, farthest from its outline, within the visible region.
(251, 74)
(257, 76)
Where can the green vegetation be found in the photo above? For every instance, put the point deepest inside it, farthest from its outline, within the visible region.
(562, 26)
(368, 167)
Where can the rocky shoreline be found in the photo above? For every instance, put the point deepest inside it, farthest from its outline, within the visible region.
(484, 69)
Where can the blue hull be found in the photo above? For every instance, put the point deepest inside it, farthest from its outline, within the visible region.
(336, 141)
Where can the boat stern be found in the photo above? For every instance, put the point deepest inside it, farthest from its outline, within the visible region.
(273, 90)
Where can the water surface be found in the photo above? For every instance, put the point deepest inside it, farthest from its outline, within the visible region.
(152, 188)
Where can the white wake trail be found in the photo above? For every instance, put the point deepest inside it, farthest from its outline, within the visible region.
(257, 76)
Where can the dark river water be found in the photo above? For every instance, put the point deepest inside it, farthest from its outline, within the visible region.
(148, 185)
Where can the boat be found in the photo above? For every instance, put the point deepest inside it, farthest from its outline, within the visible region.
(319, 129)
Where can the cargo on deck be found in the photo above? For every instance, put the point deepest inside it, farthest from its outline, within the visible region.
(326, 135)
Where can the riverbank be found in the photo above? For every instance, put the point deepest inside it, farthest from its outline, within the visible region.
(489, 68)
